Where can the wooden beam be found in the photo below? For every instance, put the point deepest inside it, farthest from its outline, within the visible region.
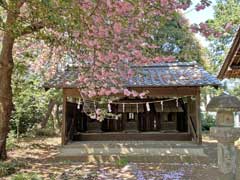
(72, 92)
(198, 120)
(191, 119)
(235, 66)
(120, 136)
(235, 73)
(167, 91)
(64, 133)
(153, 91)
(192, 130)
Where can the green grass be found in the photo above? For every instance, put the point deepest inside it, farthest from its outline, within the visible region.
(26, 176)
(122, 162)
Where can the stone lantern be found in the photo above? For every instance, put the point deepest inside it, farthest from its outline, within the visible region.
(225, 132)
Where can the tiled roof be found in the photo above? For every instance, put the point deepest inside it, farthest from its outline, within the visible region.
(231, 65)
(173, 74)
(177, 74)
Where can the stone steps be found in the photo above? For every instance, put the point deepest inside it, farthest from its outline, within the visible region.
(134, 151)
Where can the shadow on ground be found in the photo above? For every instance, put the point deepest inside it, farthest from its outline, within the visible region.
(41, 157)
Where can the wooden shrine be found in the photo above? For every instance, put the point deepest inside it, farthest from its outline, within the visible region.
(170, 111)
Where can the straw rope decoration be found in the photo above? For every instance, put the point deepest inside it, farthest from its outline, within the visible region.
(148, 103)
(89, 106)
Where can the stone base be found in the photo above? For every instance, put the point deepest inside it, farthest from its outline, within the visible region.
(226, 158)
(229, 176)
(134, 151)
(238, 164)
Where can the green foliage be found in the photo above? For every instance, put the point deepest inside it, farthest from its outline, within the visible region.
(225, 11)
(30, 99)
(122, 162)
(30, 104)
(236, 90)
(8, 168)
(175, 39)
(26, 176)
(11, 140)
(207, 121)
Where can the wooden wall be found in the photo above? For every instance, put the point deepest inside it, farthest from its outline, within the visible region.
(153, 92)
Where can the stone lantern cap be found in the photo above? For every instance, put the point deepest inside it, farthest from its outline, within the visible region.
(224, 102)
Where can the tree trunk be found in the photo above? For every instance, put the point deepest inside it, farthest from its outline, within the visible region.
(48, 114)
(58, 116)
(6, 69)
(6, 105)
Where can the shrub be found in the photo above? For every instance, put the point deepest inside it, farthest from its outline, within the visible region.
(207, 122)
(11, 141)
(8, 168)
(30, 99)
(47, 132)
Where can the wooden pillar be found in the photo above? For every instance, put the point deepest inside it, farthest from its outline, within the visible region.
(64, 133)
(198, 120)
(188, 113)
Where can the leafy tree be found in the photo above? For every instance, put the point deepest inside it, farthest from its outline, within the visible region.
(226, 20)
(30, 99)
(220, 32)
(176, 39)
(19, 18)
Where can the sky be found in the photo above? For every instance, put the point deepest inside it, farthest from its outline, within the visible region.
(200, 16)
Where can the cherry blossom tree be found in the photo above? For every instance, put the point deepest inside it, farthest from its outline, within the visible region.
(103, 37)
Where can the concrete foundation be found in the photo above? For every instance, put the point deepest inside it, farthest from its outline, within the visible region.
(134, 151)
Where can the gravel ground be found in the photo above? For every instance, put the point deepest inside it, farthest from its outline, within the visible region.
(142, 171)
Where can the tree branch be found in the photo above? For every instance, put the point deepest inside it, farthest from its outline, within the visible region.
(20, 3)
(32, 28)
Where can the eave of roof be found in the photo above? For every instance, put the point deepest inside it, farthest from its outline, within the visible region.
(176, 74)
(230, 58)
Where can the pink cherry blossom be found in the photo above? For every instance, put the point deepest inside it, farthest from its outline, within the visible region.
(98, 111)
(228, 26)
(108, 92)
(142, 94)
(92, 93)
(114, 90)
(108, 40)
(117, 28)
(200, 7)
(126, 92)
(134, 93)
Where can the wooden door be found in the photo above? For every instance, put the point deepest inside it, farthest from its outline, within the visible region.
(149, 120)
(112, 125)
